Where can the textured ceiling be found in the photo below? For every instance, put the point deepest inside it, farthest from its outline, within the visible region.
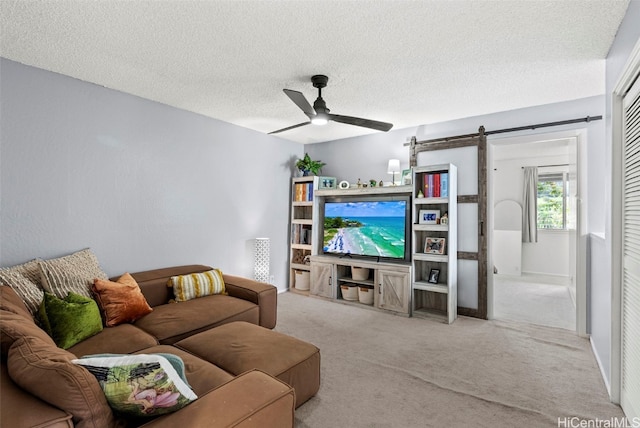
(405, 62)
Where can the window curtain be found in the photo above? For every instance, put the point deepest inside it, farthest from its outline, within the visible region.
(530, 205)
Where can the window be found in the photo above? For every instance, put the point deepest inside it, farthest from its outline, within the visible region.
(552, 201)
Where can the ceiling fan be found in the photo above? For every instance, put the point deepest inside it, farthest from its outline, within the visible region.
(319, 113)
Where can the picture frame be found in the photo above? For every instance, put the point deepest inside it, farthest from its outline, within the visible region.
(327, 183)
(434, 275)
(434, 245)
(429, 216)
(405, 178)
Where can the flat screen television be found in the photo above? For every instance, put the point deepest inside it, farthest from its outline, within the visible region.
(372, 227)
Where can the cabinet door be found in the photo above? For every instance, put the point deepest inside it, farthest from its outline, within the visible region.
(321, 279)
(393, 291)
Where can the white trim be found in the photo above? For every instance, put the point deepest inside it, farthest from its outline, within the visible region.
(602, 371)
(630, 72)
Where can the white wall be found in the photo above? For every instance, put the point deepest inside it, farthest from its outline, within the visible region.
(143, 184)
(550, 255)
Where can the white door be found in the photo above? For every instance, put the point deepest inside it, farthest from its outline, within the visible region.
(630, 364)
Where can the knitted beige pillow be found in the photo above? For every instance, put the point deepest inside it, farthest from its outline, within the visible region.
(74, 272)
(25, 281)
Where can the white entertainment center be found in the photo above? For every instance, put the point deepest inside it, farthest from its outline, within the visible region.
(401, 285)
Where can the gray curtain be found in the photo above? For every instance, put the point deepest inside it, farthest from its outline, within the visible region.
(530, 205)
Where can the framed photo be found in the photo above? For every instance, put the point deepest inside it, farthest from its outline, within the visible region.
(429, 216)
(434, 245)
(327, 183)
(406, 177)
(434, 275)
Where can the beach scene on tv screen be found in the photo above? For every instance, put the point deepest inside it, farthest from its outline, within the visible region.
(374, 228)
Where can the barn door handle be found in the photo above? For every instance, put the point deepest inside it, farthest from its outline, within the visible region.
(482, 228)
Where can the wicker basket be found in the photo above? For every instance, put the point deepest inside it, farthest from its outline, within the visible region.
(365, 295)
(302, 280)
(359, 274)
(349, 292)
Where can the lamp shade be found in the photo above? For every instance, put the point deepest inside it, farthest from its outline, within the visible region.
(394, 166)
(261, 261)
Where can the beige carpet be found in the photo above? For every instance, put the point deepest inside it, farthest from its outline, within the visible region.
(382, 370)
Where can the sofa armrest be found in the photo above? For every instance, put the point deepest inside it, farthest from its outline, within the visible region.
(253, 399)
(262, 294)
(19, 409)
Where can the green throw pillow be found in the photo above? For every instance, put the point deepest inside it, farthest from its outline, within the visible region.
(71, 320)
(139, 385)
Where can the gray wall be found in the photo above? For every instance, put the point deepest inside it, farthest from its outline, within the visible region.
(143, 184)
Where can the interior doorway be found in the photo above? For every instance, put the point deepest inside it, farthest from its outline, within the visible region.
(539, 282)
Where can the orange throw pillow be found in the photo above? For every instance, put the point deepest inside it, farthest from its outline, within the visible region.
(120, 301)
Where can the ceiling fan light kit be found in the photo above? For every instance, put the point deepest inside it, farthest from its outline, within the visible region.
(319, 113)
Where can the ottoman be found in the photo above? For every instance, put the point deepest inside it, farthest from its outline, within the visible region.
(241, 346)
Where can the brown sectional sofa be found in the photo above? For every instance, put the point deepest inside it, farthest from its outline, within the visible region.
(245, 389)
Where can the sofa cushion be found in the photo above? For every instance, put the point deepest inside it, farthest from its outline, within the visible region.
(74, 272)
(201, 375)
(139, 385)
(46, 371)
(120, 301)
(121, 339)
(24, 279)
(14, 326)
(70, 320)
(194, 285)
(175, 321)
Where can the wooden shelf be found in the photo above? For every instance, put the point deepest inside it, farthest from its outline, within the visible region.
(307, 221)
(424, 257)
(431, 201)
(302, 204)
(356, 281)
(427, 286)
(431, 227)
(299, 266)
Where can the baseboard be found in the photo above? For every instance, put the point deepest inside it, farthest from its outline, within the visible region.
(602, 372)
(547, 278)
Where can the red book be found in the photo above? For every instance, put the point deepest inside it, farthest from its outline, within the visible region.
(436, 185)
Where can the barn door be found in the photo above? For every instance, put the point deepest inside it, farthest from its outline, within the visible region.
(469, 154)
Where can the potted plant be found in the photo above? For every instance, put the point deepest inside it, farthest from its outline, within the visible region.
(307, 165)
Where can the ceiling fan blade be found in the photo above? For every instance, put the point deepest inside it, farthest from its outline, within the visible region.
(290, 127)
(365, 123)
(300, 101)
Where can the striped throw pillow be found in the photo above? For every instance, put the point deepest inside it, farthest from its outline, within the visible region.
(25, 281)
(187, 287)
(72, 273)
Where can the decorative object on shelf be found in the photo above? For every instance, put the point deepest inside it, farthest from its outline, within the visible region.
(420, 194)
(327, 182)
(359, 183)
(392, 168)
(309, 166)
(444, 219)
(381, 184)
(434, 245)
(406, 177)
(429, 216)
(261, 261)
(343, 185)
(434, 275)
(372, 183)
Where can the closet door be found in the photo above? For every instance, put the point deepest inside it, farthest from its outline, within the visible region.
(630, 364)
(469, 154)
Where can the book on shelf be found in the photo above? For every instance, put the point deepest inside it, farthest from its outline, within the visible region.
(436, 185)
(303, 192)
